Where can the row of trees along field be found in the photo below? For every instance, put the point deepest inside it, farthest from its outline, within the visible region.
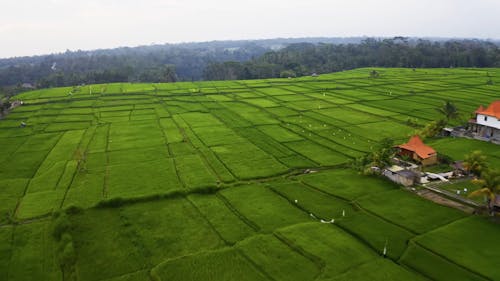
(226, 60)
(305, 59)
(156, 63)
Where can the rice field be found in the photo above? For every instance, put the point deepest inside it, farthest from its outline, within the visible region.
(204, 181)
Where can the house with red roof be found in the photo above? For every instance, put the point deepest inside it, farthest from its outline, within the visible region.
(486, 125)
(418, 151)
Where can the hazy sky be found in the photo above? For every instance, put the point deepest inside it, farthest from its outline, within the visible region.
(29, 27)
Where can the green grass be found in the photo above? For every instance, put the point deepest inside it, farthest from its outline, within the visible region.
(5, 250)
(435, 267)
(335, 248)
(457, 148)
(317, 153)
(244, 164)
(223, 265)
(379, 270)
(103, 236)
(320, 204)
(11, 190)
(198, 181)
(38, 204)
(132, 180)
(278, 260)
(33, 257)
(263, 207)
(376, 232)
(279, 133)
(86, 190)
(346, 183)
(470, 243)
(193, 172)
(159, 229)
(412, 212)
(231, 228)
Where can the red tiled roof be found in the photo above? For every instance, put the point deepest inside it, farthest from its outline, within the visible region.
(416, 145)
(492, 110)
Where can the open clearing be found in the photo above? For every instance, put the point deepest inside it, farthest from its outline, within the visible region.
(203, 181)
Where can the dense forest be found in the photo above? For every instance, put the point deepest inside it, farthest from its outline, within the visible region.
(224, 60)
(306, 58)
(153, 63)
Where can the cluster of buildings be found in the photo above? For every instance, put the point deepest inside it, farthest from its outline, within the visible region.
(485, 126)
(406, 173)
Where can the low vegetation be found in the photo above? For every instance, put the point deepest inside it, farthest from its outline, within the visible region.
(248, 180)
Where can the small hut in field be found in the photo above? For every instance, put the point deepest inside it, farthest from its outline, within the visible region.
(416, 149)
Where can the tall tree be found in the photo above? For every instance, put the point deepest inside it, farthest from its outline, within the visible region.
(475, 162)
(449, 111)
(489, 184)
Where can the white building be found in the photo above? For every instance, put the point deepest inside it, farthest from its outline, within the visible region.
(486, 125)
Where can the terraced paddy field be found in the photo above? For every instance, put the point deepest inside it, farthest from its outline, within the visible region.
(203, 181)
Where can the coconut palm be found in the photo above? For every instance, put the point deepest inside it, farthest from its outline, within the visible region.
(475, 162)
(490, 186)
(449, 110)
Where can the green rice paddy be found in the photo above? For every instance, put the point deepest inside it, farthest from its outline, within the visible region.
(204, 181)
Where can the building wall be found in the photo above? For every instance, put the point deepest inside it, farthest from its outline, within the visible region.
(397, 178)
(490, 121)
(429, 161)
(487, 132)
(404, 152)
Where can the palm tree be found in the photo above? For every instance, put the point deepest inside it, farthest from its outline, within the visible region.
(383, 155)
(475, 162)
(449, 110)
(490, 187)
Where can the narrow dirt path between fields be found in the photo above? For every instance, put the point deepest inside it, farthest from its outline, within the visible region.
(441, 200)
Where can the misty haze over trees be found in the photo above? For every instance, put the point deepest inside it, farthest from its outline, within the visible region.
(224, 60)
(306, 58)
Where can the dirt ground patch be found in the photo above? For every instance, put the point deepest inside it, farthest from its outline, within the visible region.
(436, 198)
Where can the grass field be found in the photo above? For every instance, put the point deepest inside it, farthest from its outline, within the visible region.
(204, 181)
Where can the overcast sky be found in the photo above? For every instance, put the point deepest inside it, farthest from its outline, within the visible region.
(29, 27)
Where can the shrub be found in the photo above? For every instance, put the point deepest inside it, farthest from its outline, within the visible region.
(205, 190)
(61, 225)
(113, 202)
(68, 255)
(73, 210)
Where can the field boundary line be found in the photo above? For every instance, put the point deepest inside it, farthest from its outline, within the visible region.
(384, 219)
(207, 221)
(249, 140)
(135, 239)
(233, 209)
(348, 231)
(147, 270)
(319, 262)
(11, 248)
(432, 252)
(106, 171)
(173, 156)
(310, 139)
(69, 184)
(202, 155)
(78, 166)
(255, 265)
(347, 200)
(16, 210)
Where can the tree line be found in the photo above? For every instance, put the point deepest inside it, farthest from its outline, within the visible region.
(163, 63)
(227, 60)
(306, 58)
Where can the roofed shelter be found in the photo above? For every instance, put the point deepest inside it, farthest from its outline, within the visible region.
(418, 151)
